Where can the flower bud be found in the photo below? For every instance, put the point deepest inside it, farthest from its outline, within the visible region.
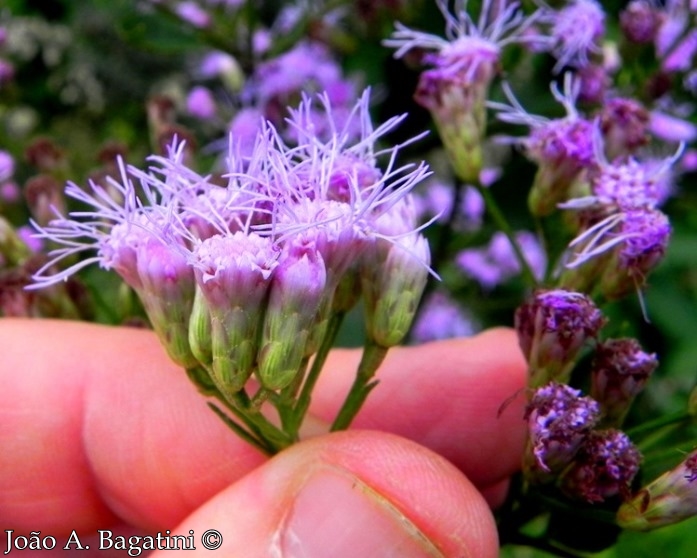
(552, 328)
(619, 372)
(167, 294)
(604, 467)
(559, 420)
(624, 123)
(200, 331)
(644, 236)
(563, 149)
(640, 21)
(297, 290)
(393, 277)
(233, 273)
(670, 498)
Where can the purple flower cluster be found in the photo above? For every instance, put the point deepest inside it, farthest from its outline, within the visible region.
(227, 272)
(564, 446)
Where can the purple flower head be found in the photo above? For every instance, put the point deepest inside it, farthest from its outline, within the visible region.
(594, 82)
(471, 50)
(308, 67)
(192, 13)
(562, 148)
(559, 420)
(624, 124)
(217, 64)
(628, 186)
(640, 242)
(463, 65)
(330, 226)
(497, 262)
(7, 166)
(200, 103)
(342, 165)
(298, 290)
(577, 30)
(552, 328)
(619, 373)
(442, 318)
(10, 192)
(604, 467)
(640, 21)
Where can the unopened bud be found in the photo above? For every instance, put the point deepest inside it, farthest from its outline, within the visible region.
(620, 371)
(604, 467)
(670, 498)
(297, 289)
(552, 328)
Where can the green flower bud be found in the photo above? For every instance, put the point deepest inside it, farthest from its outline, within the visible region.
(297, 290)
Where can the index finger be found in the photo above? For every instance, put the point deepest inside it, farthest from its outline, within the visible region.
(98, 422)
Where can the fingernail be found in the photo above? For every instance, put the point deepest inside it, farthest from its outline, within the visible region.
(336, 514)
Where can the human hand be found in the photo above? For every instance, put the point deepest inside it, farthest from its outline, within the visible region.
(98, 428)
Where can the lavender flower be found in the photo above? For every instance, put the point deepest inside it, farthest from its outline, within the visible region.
(577, 30)
(642, 238)
(233, 274)
(625, 236)
(497, 263)
(223, 270)
(670, 498)
(640, 21)
(193, 14)
(559, 421)
(604, 467)
(624, 123)
(619, 372)
(308, 68)
(200, 103)
(442, 318)
(463, 64)
(552, 328)
(562, 148)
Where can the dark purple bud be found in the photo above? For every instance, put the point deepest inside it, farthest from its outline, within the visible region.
(640, 21)
(552, 328)
(620, 371)
(604, 467)
(624, 123)
(559, 419)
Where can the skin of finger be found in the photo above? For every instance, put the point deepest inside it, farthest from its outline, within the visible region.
(97, 418)
(461, 398)
(429, 493)
(113, 405)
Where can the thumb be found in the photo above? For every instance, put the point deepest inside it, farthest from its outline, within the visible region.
(356, 493)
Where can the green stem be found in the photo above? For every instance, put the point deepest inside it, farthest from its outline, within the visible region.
(373, 355)
(241, 432)
(504, 226)
(243, 407)
(303, 403)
